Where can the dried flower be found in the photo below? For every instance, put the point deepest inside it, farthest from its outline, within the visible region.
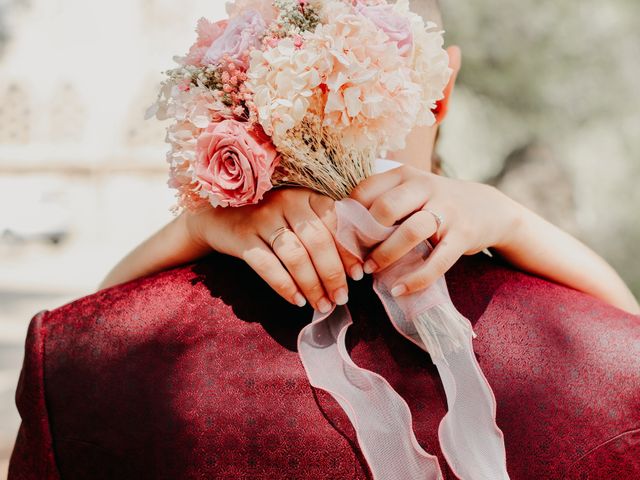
(283, 80)
(429, 62)
(234, 164)
(208, 32)
(294, 18)
(396, 26)
(303, 92)
(242, 34)
(370, 89)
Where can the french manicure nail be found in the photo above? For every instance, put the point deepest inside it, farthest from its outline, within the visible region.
(356, 272)
(341, 297)
(299, 300)
(324, 305)
(370, 266)
(398, 290)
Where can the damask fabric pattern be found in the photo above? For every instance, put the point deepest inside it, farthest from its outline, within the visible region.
(193, 373)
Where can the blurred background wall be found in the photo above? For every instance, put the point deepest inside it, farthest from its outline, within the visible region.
(547, 108)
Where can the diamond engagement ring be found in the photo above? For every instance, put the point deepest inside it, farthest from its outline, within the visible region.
(275, 235)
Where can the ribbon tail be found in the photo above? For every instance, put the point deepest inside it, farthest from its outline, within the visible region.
(469, 436)
(442, 329)
(470, 439)
(379, 415)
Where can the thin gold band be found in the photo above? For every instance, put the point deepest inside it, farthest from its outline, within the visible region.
(275, 235)
(438, 218)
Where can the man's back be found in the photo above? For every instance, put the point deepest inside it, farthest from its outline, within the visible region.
(193, 373)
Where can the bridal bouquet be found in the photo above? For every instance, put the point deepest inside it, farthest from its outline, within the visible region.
(311, 93)
(298, 92)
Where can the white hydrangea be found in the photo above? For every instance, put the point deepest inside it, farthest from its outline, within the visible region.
(283, 80)
(430, 62)
(371, 90)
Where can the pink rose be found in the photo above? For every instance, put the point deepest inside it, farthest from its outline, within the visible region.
(396, 26)
(208, 32)
(234, 164)
(242, 33)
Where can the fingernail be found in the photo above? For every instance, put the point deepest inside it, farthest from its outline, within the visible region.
(398, 290)
(370, 266)
(341, 297)
(356, 272)
(324, 305)
(300, 300)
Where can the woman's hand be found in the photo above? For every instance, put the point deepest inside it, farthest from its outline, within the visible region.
(459, 218)
(305, 263)
(474, 217)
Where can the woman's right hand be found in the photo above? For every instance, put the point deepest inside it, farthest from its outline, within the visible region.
(305, 264)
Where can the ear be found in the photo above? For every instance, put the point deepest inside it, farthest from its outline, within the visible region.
(455, 62)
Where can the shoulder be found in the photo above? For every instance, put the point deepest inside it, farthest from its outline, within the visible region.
(564, 366)
(153, 362)
(32, 456)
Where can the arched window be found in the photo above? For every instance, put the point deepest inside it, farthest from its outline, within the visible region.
(15, 115)
(67, 115)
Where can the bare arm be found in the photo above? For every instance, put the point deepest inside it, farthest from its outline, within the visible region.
(303, 264)
(172, 245)
(539, 247)
(475, 217)
(525, 239)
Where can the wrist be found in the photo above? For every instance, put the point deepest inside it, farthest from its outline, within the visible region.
(514, 215)
(191, 225)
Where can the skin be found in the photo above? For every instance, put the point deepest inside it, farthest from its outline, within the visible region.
(305, 264)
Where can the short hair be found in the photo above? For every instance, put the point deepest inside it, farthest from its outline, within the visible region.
(429, 10)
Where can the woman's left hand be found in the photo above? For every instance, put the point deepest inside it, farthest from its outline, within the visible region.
(458, 217)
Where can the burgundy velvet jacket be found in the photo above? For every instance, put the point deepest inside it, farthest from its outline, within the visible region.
(193, 374)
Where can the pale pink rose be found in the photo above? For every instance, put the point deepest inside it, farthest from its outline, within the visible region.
(242, 33)
(208, 32)
(396, 26)
(234, 163)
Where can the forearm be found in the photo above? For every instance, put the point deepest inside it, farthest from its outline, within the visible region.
(172, 245)
(537, 246)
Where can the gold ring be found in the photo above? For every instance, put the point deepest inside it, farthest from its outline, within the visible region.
(275, 235)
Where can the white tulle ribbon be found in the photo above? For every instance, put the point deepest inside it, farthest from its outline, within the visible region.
(470, 440)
